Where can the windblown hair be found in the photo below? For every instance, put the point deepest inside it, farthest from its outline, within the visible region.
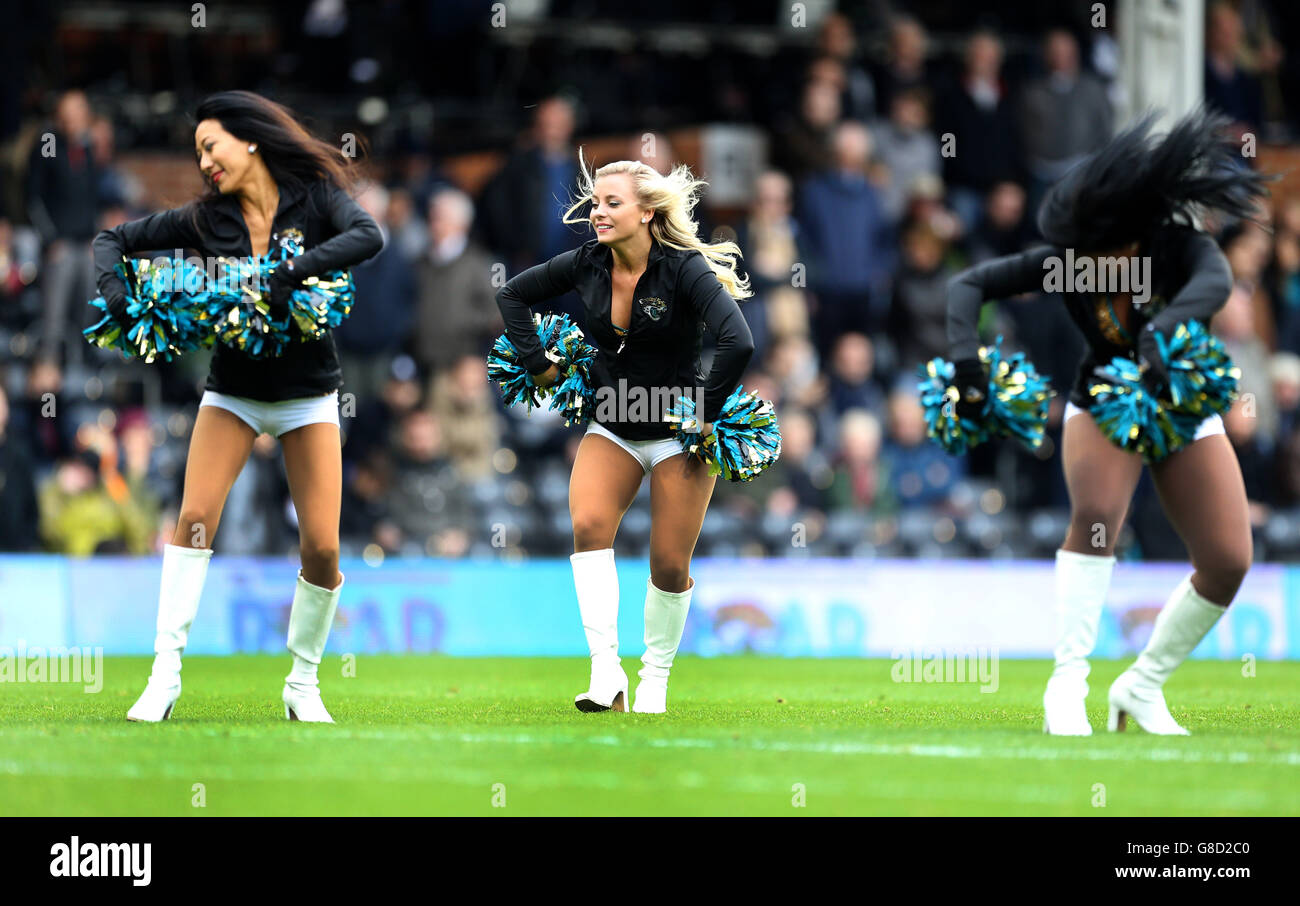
(673, 199)
(292, 154)
(1139, 182)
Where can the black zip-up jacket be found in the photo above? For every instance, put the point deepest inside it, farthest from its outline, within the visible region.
(1190, 280)
(337, 234)
(676, 298)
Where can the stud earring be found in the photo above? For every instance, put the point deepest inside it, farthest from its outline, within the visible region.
(252, 148)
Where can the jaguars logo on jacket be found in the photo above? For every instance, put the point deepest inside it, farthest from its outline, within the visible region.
(653, 308)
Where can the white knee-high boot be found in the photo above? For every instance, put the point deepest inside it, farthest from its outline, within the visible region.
(184, 570)
(1081, 584)
(665, 619)
(1184, 620)
(595, 579)
(309, 628)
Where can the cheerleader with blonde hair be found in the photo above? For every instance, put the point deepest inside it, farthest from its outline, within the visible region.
(650, 288)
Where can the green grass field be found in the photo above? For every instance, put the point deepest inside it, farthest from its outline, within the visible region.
(435, 735)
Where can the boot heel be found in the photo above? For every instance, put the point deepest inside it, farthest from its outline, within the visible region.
(1118, 720)
(620, 701)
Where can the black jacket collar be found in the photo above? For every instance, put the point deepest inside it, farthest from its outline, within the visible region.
(228, 205)
(603, 255)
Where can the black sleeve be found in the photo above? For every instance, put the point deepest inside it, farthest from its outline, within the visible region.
(997, 278)
(358, 238)
(531, 288)
(1207, 287)
(166, 230)
(734, 344)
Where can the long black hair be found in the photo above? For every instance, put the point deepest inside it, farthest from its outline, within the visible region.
(292, 154)
(1139, 182)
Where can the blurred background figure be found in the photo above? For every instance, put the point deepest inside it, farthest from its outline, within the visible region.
(977, 111)
(1065, 114)
(455, 307)
(849, 240)
(63, 203)
(377, 329)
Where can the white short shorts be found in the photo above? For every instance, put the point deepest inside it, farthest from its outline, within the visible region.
(280, 417)
(647, 452)
(1212, 425)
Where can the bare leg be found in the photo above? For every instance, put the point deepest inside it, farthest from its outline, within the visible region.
(603, 485)
(680, 490)
(1101, 479)
(313, 462)
(1205, 498)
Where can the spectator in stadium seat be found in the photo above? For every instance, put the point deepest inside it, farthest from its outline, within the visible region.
(377, 418)
(406, 229)
(456, 312)
(63, 180)
(977, 110)
(795, 484)
(856, 484)
(1284, 374)
(1003, 227)
(1228, 86)
(522, 204)
(849, 241)
(18, 510)
(907, 147)
(427, 501)
(1064, 115)
(1284, 273)
(770, 238)
(804, 143)
(920, 472)
(852, 385)
(792, 368)
(36, 415)
(837, 40)
(88, 506)
(919, 314)
(906, 67)
(385, 303)
(465, 403)
(19, 264)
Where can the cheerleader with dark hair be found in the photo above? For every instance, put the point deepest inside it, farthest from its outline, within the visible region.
(267, 179)
(1138, 197)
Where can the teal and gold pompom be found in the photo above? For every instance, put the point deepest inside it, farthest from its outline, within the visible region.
(163, 320)
(1016, 402)
(241, 312)
(1202, 382)
(746, 439)
(566, 346)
